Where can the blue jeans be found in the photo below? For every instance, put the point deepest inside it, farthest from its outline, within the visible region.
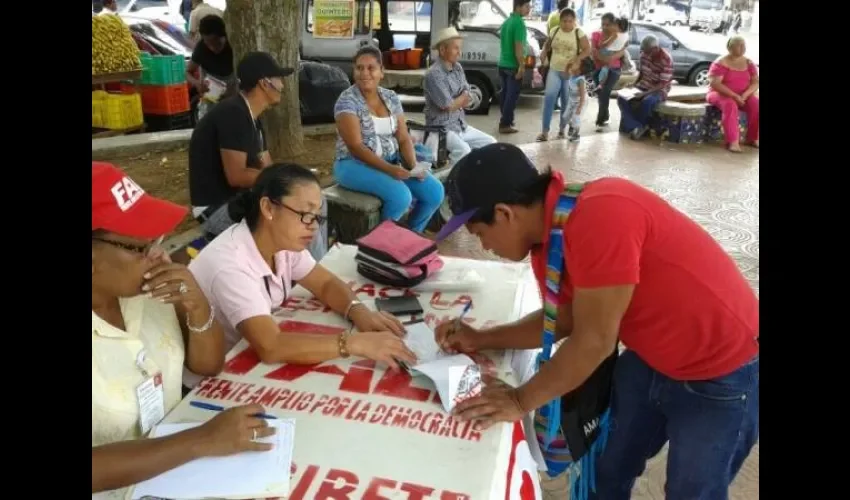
(711, 425)
(604, 94)
(637, 115)
(510, 95)
(396, 196)
(556, 86)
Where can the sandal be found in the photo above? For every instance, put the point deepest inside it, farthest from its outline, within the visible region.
(541, 137)
(731, 150)
(561, 134)
(754, 144)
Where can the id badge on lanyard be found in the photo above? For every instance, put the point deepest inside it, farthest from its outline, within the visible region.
(150, 395)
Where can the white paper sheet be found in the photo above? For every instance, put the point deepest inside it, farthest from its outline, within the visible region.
(420, 169)
(456, 378)
(246, 475)
(420, 339)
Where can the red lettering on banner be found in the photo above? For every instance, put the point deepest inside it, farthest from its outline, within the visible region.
(330, 490)
(300, 489)
(416, 492)
(397, 384)
(438, 302)
(373, 491)
(242, 363)
(357, 410)
(339, 484)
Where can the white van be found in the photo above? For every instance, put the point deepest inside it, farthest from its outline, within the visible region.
(409, 23)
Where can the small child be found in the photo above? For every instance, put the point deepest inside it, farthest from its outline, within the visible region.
(613, 44)
(577, 87)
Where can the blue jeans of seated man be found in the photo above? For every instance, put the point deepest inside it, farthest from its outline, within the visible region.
(637, 115)
(396, 196)
(711, 425)
(556, 86)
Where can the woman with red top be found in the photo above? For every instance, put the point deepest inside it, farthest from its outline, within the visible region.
(632, 269)
(734, 83)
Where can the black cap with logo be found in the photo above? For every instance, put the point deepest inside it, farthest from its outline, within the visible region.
(483, 178)
(256, 66)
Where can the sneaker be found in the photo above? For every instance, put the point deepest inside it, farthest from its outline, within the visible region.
(508, 130)
(574, 135)
(638, 132)
(600, 127)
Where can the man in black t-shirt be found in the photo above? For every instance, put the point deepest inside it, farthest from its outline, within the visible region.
(214, 57)
(228, 146)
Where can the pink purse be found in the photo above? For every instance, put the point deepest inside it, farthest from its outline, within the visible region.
(393, 255)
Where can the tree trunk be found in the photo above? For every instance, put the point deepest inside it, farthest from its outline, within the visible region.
(272, 26)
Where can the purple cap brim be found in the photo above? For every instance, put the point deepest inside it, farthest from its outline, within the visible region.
(454, 223)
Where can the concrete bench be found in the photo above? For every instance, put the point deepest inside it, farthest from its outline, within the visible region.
(679, 122)
(352, 214)
(685, 123)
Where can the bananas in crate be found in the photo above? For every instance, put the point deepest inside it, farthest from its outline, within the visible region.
(112, 47)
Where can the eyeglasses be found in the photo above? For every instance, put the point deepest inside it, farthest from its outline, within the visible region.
(307, 218)
(144, 250)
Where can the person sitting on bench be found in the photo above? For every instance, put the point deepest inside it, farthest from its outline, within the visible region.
(228, 148)
(446, 95)
(656, 75)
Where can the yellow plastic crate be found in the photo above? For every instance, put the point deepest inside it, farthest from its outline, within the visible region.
(98, 98)
(117, 111)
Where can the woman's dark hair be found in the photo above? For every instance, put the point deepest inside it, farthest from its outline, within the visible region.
(609, 17)
(274, 182)
(524, 197)
(212, 25)
(369, 50)
(623, 24)
(562, 4)
(568, 13)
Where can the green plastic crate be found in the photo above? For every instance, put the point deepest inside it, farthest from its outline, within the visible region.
(163, 70)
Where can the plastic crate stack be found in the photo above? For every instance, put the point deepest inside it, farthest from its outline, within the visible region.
(165, 93)
(116, 111)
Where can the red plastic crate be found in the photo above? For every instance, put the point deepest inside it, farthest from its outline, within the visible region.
(165, 99)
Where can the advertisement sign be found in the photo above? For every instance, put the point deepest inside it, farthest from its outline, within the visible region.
(333, 18)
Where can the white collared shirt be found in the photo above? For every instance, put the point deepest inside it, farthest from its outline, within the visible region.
(151, 326)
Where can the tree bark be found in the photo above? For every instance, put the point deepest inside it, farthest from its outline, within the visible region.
(272, 26)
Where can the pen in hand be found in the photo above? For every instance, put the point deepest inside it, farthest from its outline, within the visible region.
(459, 319)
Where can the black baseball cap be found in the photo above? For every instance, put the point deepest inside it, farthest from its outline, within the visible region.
(485, 177)
(256, 66)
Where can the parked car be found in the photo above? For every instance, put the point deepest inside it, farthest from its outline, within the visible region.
(690, 67)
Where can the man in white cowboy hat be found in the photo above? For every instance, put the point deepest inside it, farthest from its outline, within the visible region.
(446, 96)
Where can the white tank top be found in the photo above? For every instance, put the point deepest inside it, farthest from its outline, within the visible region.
(384, 127)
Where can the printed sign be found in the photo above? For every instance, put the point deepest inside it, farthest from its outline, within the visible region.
(367, 432)
(333, 18)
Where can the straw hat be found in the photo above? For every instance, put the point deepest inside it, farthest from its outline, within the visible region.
(444, 35)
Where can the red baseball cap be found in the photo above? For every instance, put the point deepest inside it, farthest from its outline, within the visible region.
(120, 206)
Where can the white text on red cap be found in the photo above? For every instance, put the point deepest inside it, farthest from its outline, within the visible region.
(126, 193)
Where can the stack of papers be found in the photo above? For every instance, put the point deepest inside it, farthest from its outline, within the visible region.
(456, 376)
(246, 475)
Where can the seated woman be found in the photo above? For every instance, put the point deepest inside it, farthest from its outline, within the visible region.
(374, 153)
(148, 318)
(734, 82)
(250, 268)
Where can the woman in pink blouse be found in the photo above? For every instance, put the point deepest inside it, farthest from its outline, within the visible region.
(734, 82)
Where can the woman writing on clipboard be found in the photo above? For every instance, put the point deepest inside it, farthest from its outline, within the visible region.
(149, 320)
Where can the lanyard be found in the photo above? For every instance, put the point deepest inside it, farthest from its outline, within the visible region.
(554, 271)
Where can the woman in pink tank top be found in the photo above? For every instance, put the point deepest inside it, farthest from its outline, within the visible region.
(734, 82)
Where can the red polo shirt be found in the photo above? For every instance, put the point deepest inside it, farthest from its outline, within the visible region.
(693, 316)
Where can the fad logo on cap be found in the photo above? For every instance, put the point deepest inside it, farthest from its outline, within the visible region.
(126, 193)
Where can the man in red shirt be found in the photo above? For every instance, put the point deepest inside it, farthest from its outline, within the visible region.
(638, 271)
